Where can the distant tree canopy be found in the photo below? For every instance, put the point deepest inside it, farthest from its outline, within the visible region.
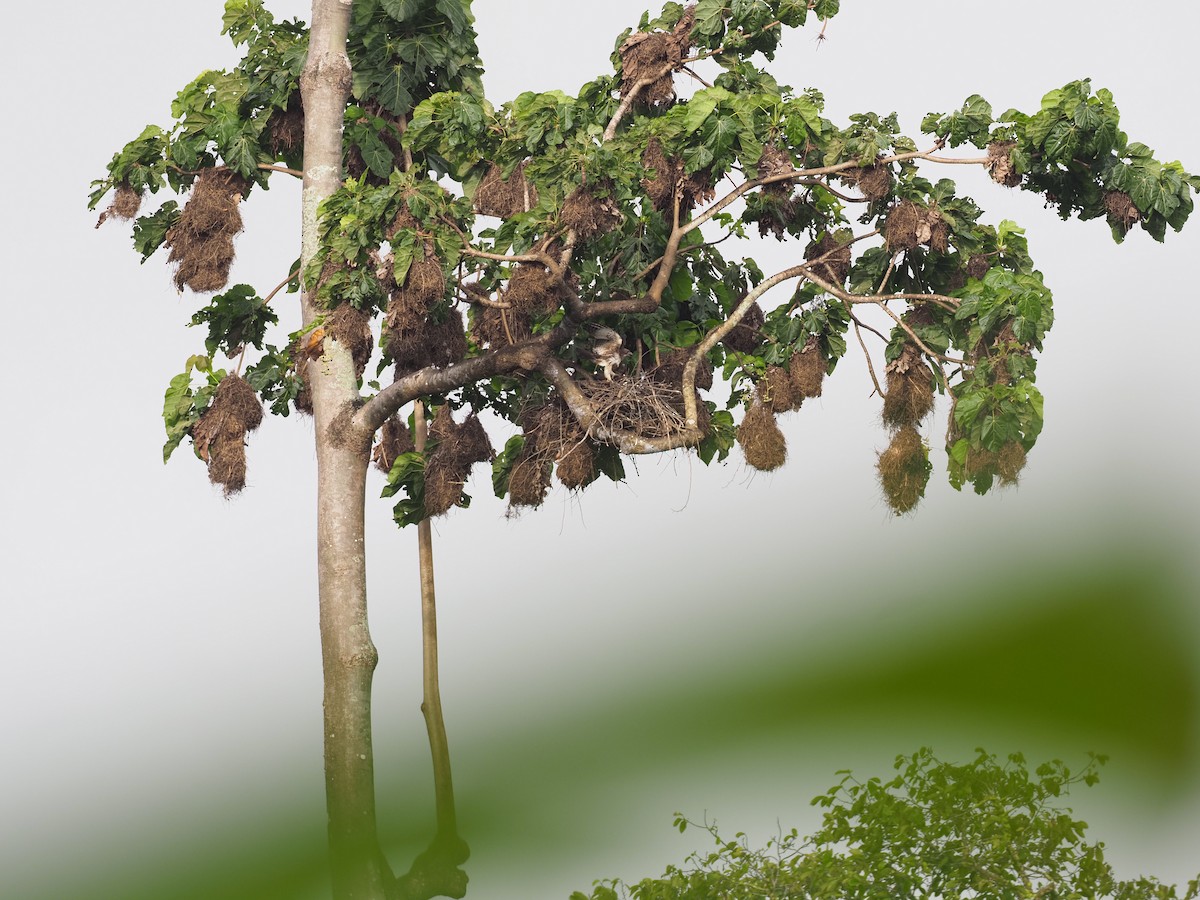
(483, 249)
(982, 829)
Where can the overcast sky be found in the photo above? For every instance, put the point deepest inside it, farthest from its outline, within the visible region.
(158, 644)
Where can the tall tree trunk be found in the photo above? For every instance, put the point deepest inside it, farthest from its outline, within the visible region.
(348, 654)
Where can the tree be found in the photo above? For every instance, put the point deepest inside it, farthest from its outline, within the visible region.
(937, 829)
(583, 240)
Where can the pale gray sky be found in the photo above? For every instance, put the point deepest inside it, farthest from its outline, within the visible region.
(158, 644)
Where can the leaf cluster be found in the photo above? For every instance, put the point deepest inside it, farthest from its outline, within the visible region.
(986, 828)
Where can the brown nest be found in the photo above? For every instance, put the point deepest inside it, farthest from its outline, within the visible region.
(904, 470)
(1010, 460)
(776, 391)
(351, 328)
(649, 59)
(530, 294)
(669, 175)
(647, 407)
(978, 265)
(285, 127)
(561, 439)
(529, 478)
(833, 259)
(404, 221)
(807, 369)
(427, 343)
(394, 441)
(670, 370)
(125, 205)
(776, 162)
(875, 180)
(762, 443)
(1000, 165)
(909, 396)
(220, 434)
(746, 336)
(448, 465)
(504, 198)
(1122, 213)
(201, 241)
(588, 214)
(909, 225)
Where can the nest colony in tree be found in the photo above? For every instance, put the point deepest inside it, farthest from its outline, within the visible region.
(455, 448)
(904, 466)
(1000, 164)
(909, 225)
(504, 198)
(530, 294)
(412, 337)
(220, 434)
(649, 60)
(201, 241)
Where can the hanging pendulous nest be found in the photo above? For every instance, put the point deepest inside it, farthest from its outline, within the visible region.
(1010, 460)
(775, 162)
(909, 395)
(530, 294)
(746, 336)
(589, 214)
(669, 175)
(904, 470)
(832, 259)
(285, 127)
(220, 433)
(394, 441)
(807, 369)
(456, 449)
(201, 241)
(1000, 165)
(1122, 213)
(529, 477)
(125, 205)
(351, 328)
(648, 60)
(428, 343)
(909, 225)
(762, 443)
(560, 437)
(775, 390)
(670, 370)
(978, 265)
(875, 180)
(504, 198)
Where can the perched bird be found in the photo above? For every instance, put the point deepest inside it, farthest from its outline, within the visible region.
(606, 349)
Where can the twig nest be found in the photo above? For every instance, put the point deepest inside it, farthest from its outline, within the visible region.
(220, 433)
(1000, 165)
(807, 369)
(904, 470)
(762, 443)
(830, 258)
(201, 241)
(909, 396)
(655, 55)
(505, 197)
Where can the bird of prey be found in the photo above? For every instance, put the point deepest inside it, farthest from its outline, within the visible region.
(606, 349)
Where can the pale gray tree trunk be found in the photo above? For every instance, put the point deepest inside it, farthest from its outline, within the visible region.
(343, 453)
